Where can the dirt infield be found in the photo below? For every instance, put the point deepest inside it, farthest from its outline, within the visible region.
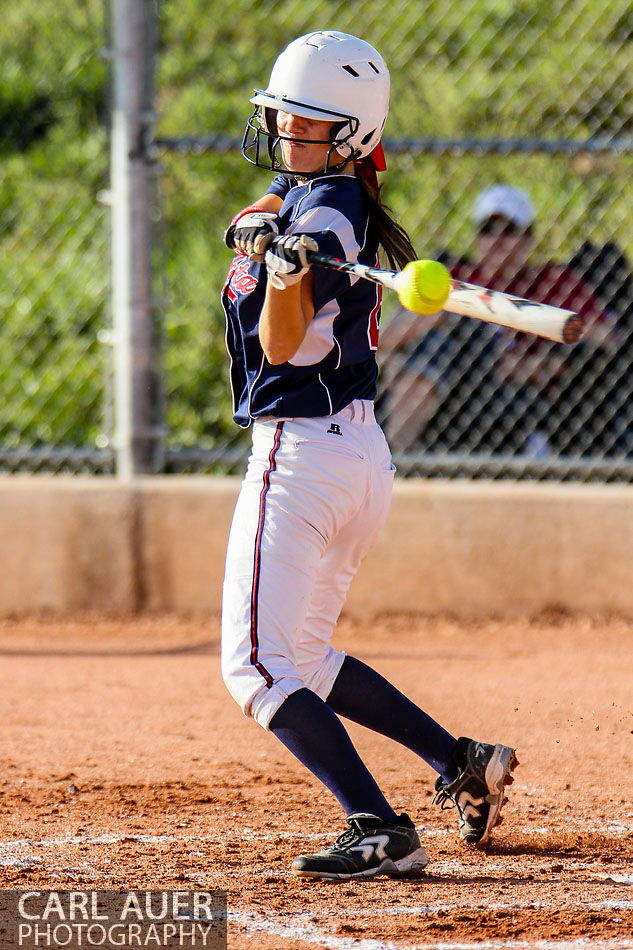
(125, 764)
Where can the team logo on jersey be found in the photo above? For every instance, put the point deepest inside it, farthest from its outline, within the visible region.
(239, 280)
(334, 429)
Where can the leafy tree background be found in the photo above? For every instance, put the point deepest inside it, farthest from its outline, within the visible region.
(478, 69)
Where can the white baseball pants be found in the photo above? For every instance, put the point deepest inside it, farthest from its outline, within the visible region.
(314, 500)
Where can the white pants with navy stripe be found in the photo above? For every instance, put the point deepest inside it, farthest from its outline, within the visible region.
(314, 500)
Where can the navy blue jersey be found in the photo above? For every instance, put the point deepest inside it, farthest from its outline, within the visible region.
(336, 361)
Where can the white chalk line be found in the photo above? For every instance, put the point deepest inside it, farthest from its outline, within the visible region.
(9, 858)
(310, 933)
(247, 834)
(255, 834)
(19, 853)
(307, 930)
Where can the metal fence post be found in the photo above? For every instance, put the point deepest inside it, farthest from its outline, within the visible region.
(137, 431)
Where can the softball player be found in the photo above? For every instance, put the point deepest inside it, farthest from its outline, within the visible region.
(318, 485)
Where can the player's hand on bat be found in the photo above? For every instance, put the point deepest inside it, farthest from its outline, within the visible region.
(251, 231)
(287, 259)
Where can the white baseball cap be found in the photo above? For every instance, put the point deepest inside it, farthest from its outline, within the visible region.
(506, 200)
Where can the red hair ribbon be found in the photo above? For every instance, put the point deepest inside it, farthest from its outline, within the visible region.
(372, 163)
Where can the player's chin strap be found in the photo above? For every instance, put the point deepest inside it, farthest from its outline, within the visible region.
(365, 167)
(328, 169)
(370, 164)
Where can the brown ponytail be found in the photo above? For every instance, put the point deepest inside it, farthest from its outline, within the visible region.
(392, 237)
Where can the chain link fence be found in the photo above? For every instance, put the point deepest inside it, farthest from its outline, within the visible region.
(53, 238)
(483, 92)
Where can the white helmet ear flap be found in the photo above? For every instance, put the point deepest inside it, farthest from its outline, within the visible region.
(340, 134)
(340, 131)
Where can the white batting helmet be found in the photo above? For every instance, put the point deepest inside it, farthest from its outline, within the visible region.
(325, 75)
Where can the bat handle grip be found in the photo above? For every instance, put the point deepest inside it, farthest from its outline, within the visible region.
(322, 260)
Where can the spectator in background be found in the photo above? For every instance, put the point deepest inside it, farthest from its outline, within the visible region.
(485, 389)
(605, 383)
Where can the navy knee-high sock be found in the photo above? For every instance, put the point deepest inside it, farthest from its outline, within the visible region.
(364, 696)
(316, 736)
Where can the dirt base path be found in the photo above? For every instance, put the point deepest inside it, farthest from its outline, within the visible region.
(125, 764)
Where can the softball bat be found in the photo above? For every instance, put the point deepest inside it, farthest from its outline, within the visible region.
(468, 300)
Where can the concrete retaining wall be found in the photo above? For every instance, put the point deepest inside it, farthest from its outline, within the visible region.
(74, 544)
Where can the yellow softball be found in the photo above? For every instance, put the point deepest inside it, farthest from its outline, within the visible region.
(423, 286)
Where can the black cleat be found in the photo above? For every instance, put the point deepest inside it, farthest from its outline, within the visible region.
(478, 790)
(369, 846)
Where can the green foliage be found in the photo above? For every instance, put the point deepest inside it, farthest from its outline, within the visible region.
(52, 230)
(479, 68)
(52, 290)
(484, 68)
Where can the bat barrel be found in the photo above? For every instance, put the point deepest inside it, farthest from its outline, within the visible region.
(516, 313)
(573, 328)
(469, 300)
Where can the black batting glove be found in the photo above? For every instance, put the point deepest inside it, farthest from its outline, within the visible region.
(287, 259)
(251, 231)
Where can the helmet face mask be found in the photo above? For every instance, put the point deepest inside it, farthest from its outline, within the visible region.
(329, 76)
(262, 142)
